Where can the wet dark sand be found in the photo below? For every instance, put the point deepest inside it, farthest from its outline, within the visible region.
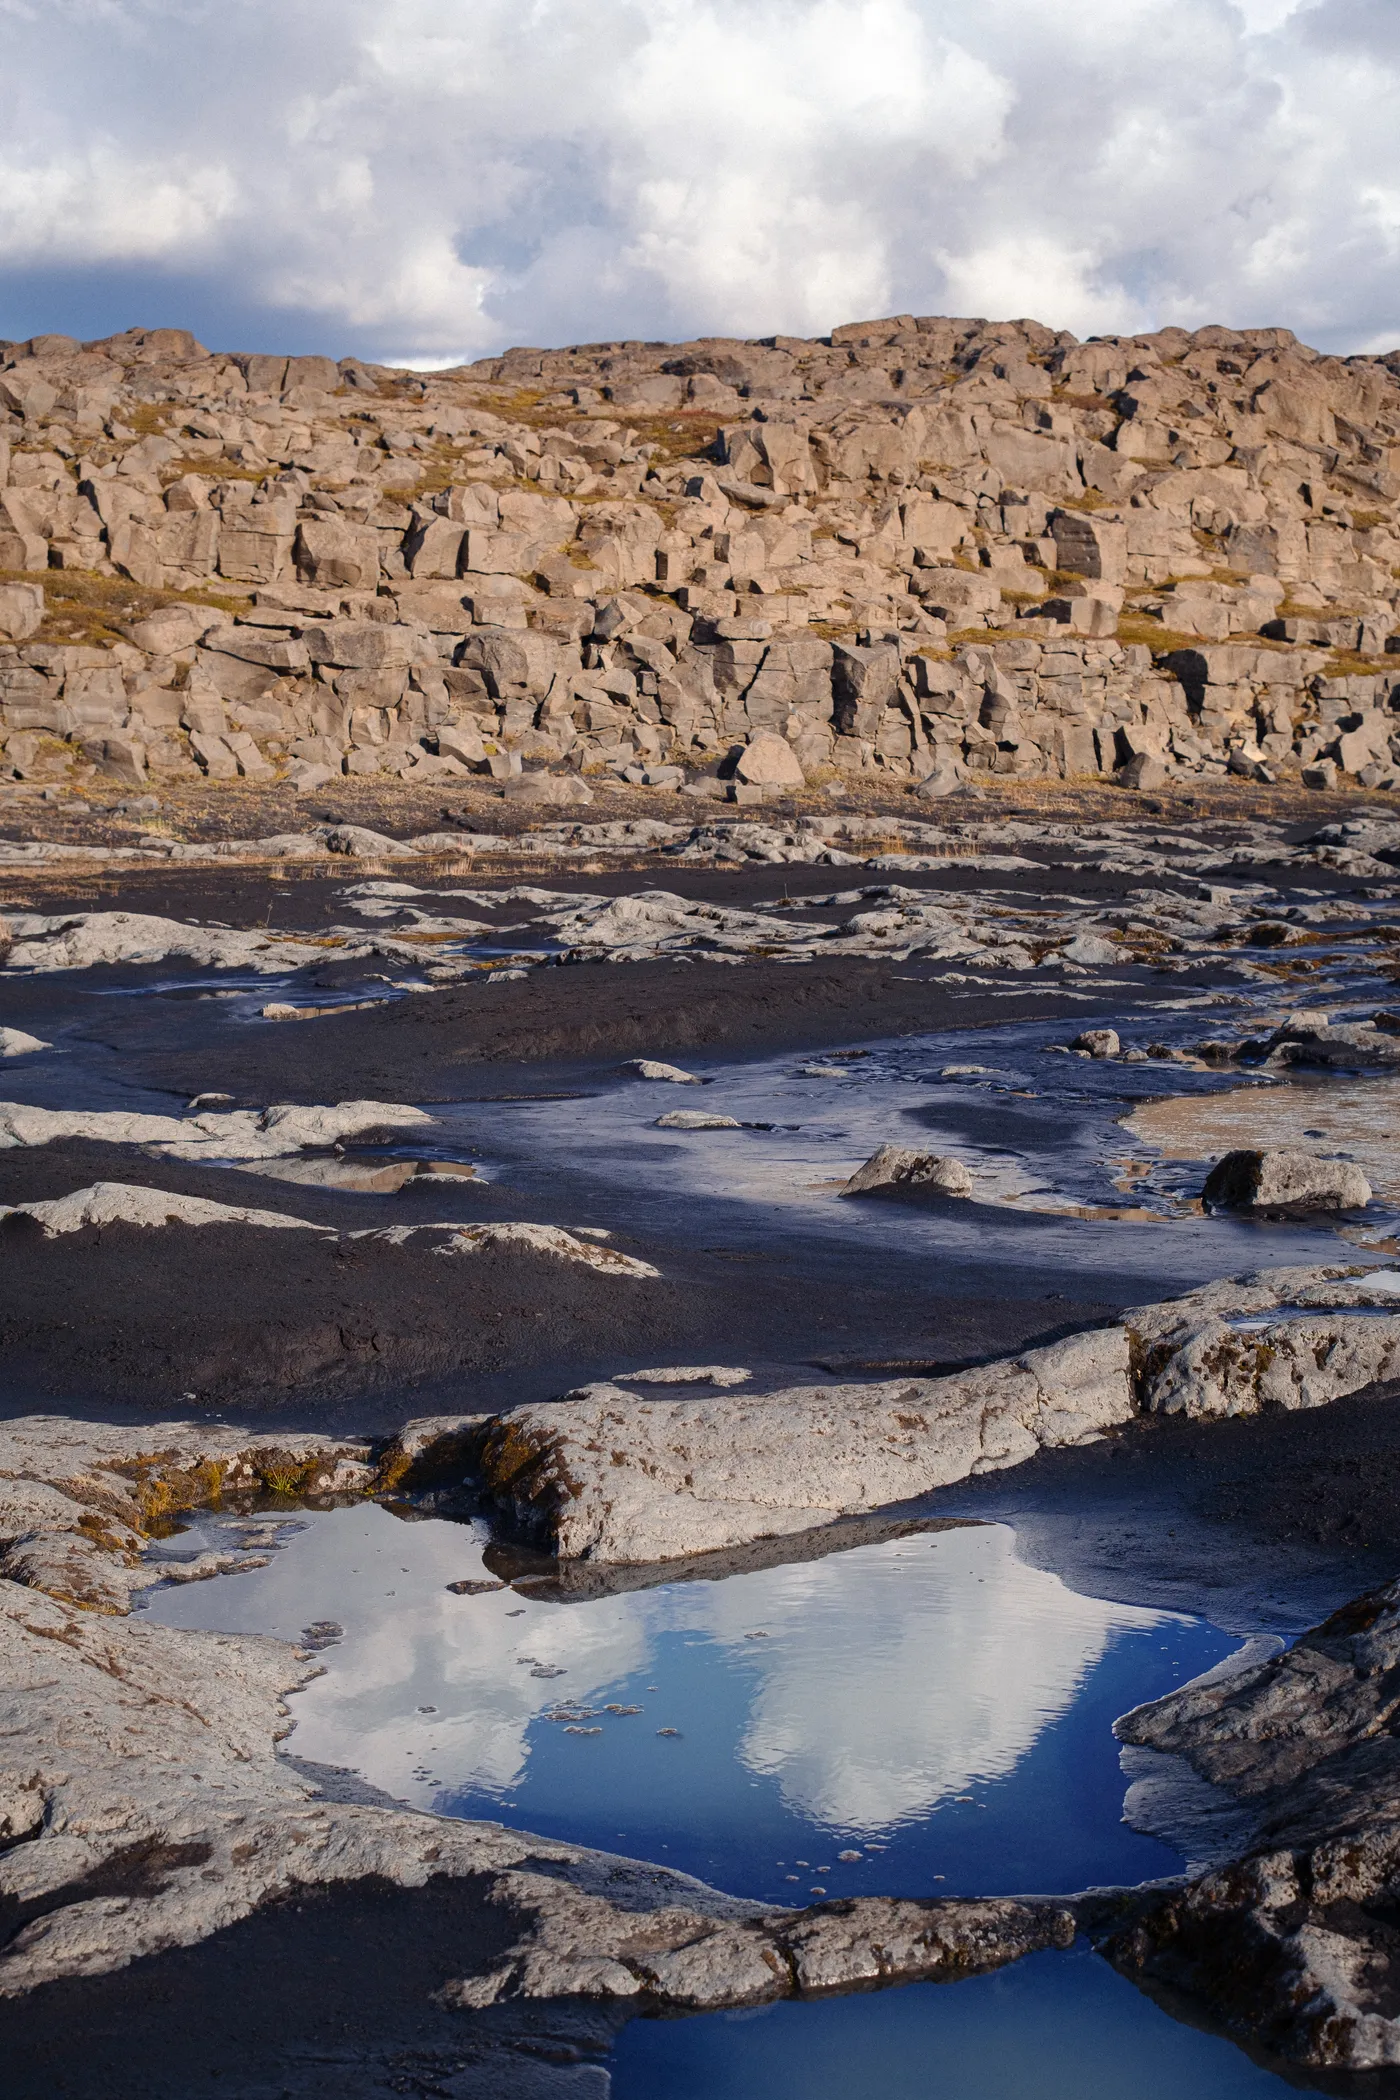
(355, 1336)
(1269, 1520)
(558, 1027)
(328, 1995)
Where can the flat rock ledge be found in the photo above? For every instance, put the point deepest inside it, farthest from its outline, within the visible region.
(1292, 1944)
(611, 1475)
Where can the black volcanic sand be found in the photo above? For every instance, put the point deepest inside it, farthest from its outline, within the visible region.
(559, 1025)
(345, 1335)
(325, 1996)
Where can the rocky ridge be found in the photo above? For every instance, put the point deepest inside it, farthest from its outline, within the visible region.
(922, 549)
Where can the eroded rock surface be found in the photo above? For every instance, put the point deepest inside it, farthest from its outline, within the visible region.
(1284, 1183)
(1292, 1943)
(607, 1474)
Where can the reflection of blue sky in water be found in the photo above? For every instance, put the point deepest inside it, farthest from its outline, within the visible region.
(1054, 2027)
(830, 1705)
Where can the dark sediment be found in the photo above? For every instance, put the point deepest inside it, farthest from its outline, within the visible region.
(462, 1041)
(1275, 1518)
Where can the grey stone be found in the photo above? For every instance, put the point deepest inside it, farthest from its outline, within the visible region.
(1284, 1183)
(897, 1166)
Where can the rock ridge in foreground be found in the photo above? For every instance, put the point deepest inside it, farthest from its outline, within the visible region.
(610, 1475)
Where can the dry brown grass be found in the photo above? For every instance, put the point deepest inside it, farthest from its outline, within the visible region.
(83, 608)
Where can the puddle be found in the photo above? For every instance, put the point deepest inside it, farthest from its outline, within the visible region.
(1055, 2027)
(1358, 1119)
(927, 1706)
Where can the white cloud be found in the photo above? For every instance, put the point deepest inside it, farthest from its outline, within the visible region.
(438, 177)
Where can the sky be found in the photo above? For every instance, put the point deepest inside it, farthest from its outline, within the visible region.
(426, 181)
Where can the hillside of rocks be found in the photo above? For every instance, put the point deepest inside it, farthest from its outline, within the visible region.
(919, 549)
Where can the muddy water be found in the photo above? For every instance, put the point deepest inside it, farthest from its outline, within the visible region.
(1039, 1130)
(1356, 1118)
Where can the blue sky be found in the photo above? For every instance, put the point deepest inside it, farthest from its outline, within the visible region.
(428, 180)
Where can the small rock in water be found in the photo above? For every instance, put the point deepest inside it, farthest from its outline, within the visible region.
(321, 1633)
(695, 1119)
(15, 1043)
(1284, 1184)
(571, 1730)
(848, 1856)
(668, 1731)
(896, 1166)
(470, 1588)
(1091, 950)
(649, 1068)
(207, 1101)
(1099, 1042)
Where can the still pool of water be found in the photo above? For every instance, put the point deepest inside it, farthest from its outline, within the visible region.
(1053, 2027)
(925, 1715)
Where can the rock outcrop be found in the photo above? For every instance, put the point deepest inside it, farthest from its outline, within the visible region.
(609, 1475)
(1292, 1943)
(1284, 1184)
(919, 548)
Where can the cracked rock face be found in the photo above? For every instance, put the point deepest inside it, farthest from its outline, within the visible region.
(476, 571)
(1293, 1943)
(1280, 1338)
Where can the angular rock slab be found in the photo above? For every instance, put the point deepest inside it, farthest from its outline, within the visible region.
(1284, 1183)
(610, 1476)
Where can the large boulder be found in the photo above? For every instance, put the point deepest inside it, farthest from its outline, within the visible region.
(1284, 1184)
(769, 760)
(21, 610)
(897, 1167)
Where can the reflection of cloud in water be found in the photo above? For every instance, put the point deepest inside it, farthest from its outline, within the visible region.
(464, 1656)
(887, 1678)
(888, 1684)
